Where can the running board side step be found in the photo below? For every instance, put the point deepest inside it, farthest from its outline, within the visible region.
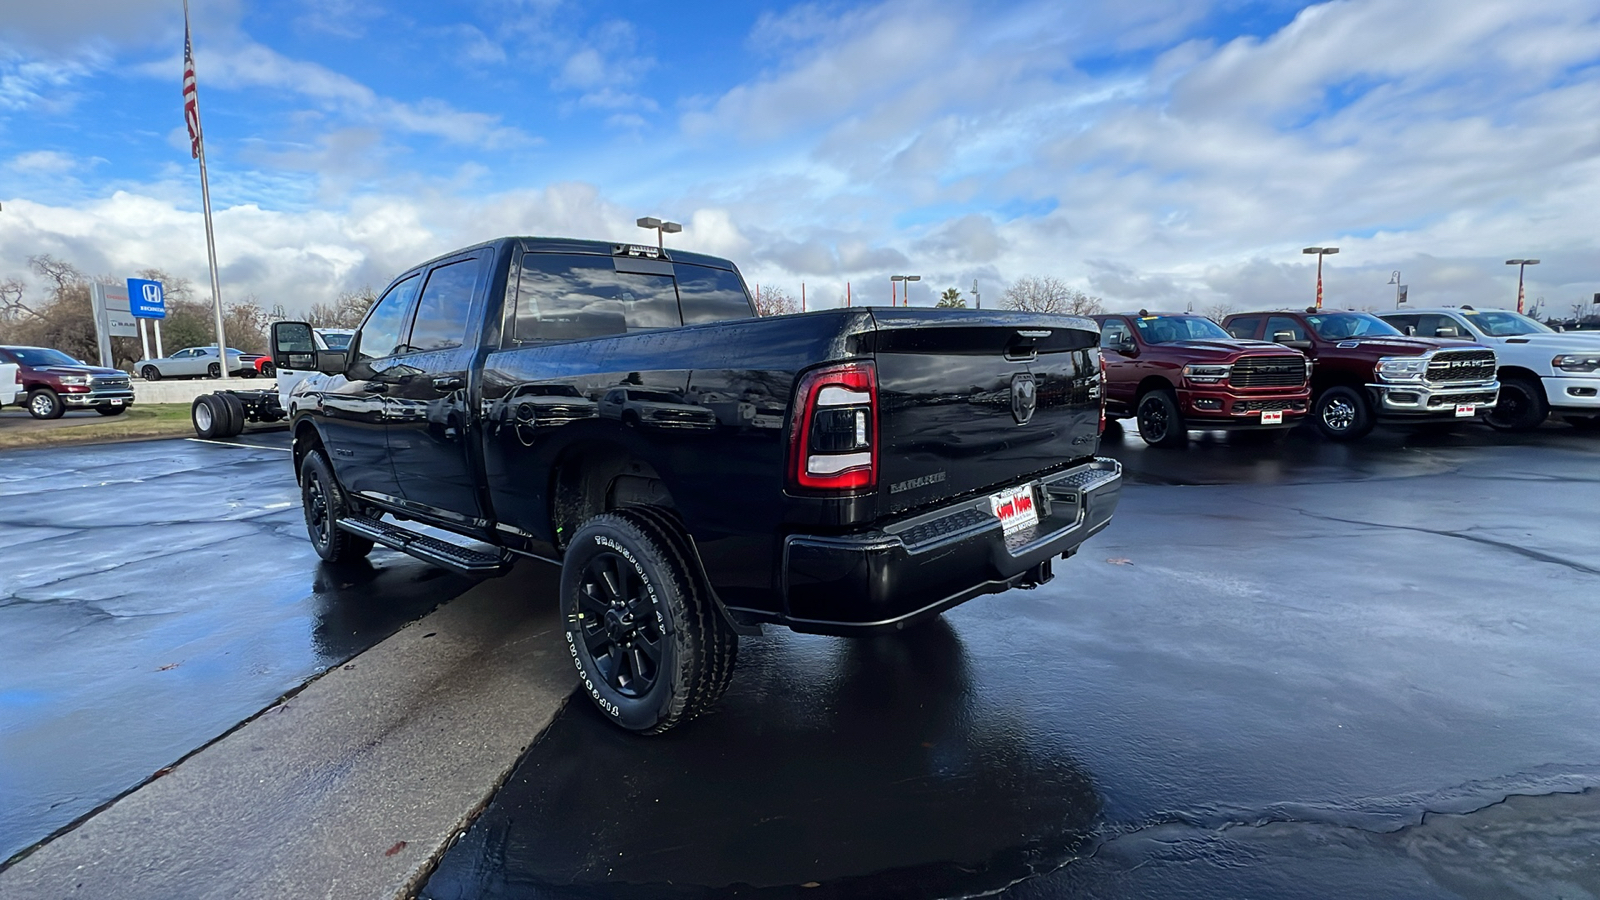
(454, 557)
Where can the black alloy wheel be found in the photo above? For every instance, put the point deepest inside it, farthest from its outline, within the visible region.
(651, 649)
(1342, 414)
(214, 370)
(1522, 406)
(268, 370)
(324, 504)
(44, 404)
(150, 373)
(1160, 422)
(620, 629)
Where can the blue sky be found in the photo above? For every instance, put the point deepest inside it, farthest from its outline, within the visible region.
(1157, 154)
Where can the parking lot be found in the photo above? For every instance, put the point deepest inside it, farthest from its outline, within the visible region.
(1309, 670)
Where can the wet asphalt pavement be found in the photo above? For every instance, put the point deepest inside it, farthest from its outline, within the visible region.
(1306, 670)
(153, 595)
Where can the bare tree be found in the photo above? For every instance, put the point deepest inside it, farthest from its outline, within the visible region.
(346, 310)
(1218, 311)
(951, 299)
(775, 301)
(1048, 294)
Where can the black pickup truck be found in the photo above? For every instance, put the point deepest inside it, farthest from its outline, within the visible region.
(697, 471)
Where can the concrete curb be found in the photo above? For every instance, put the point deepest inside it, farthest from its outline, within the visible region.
(352, 787)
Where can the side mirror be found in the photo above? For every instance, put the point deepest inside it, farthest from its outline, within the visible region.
(294, 346)
(1127, 347)
(1282, 337)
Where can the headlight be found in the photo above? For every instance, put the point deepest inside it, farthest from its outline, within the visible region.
(1577, 362)
(74, 379)
(1402, 368)
(1205, 374)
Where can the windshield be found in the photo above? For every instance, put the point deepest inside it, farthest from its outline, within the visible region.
(41, 356)
(1342, 326)
(1500, 323)
(1166, 329)
(336, 341)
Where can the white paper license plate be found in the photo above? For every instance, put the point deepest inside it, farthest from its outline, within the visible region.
(116, 401)
(1014, 508)
(1466, 409)
(1272, 417)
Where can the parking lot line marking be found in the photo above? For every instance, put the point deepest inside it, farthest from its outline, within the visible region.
(232, 444)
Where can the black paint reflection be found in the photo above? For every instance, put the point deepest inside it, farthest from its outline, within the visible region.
(866, 767)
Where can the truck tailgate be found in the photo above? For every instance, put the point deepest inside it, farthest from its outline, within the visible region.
(975, 401)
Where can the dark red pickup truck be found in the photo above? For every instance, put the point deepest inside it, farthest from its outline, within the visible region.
(53, 382)
(1364, 371)
(1177, 372)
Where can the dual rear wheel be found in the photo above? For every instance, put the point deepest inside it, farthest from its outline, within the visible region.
(217, 415)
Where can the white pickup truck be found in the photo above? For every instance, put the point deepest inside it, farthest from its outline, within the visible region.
(10, 384)
(1541, 371)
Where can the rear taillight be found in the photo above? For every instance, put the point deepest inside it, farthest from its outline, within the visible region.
(833, 435)
(1102, 392)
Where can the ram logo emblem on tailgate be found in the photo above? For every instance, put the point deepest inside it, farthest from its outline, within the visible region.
(1024, 397)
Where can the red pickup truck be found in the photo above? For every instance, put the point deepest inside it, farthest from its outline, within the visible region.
(1177, 372)
(53, 382)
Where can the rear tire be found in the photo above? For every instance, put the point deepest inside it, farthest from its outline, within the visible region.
(43, 403)
(1522, 406)
(235, 414)
(651, 649)
(1160, 422)
(324, 504)
(268, 370)
(150, 373)
(1342, 414)
(210, 420)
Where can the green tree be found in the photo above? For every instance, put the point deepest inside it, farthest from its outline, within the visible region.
(951, 299)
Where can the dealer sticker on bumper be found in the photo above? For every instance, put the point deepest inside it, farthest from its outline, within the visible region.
(1272, 417)
(1014, 508)
(1466, 409)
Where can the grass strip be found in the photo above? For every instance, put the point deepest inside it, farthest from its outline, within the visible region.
(154, 420)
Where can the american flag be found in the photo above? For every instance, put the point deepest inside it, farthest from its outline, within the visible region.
(191, 97)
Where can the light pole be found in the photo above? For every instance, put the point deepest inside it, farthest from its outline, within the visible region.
(1399, 289)
(1521, 264)
(660, 228)
(1320, 252)
(976, 299)
(907, 279)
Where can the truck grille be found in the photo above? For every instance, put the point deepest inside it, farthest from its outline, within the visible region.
(1268, 371)
(1461, 365)
(108, 382)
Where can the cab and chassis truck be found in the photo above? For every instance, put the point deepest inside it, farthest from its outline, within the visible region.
(846, 472)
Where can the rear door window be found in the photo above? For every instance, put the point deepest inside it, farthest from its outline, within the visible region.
(1244, 327)
(565, 297)
(446, 305)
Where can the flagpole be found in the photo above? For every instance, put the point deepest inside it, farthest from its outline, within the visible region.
(211, 241)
